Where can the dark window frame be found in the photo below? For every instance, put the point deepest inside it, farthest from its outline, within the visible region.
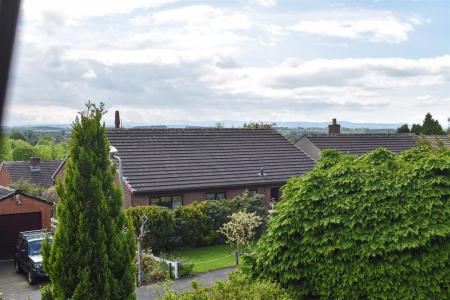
(172, 196)
(216, 195)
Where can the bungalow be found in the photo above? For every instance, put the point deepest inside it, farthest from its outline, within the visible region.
(358, 144)
(35, 171)
(20, 212)
(173, 167)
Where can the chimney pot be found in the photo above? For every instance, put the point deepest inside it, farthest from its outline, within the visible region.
(35, 163)
(117, 119)
(334, 128)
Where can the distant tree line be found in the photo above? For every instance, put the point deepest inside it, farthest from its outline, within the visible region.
(17, 147)
(429, 126)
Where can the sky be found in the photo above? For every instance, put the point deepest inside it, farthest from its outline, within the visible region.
(172, 62)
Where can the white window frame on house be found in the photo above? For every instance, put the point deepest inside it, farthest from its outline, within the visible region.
(215, 195)
(173, 201)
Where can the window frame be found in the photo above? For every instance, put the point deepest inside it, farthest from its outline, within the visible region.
(216, 195)
(171, 201)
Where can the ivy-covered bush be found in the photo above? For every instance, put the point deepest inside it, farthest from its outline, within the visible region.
(160, 226)
(370, 227)
(236, 286)
(192, 225)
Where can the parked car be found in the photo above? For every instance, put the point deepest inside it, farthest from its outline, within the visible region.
(28, 258)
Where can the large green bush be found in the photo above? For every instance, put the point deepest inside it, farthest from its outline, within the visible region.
(370, 227)
(192, 225)
(236, 287)
(160, 226)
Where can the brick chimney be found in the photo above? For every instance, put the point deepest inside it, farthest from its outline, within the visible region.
(35, 164)
(117, 120)
(334, 128)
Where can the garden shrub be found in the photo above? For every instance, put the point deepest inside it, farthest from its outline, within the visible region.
(219, 211)
(154, 270)
(192, 225)
(370, 227)
(160, 226)
(186, 269)
(236, 286)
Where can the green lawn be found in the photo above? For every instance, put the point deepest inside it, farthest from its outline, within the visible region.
(207, 258)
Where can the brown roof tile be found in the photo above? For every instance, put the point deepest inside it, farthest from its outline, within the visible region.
(183, 159)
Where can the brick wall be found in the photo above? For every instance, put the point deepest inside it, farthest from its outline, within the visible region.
(28, 205)
(190, 197)
(5, 179)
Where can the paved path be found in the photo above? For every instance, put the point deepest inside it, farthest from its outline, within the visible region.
(152, 291)
(15, 286)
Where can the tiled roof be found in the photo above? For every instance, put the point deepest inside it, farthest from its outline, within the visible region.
(21, 170)
(156, 160)
(5, 191)
(358, 144)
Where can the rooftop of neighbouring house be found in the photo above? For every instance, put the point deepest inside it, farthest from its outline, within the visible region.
(35, 170)
(5, 191)
(156, 160)
(358, 144)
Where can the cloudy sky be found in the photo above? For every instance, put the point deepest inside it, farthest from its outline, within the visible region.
(168, 61)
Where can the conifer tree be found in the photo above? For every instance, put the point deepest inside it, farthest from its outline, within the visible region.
(431, 126)
(403, 129)
(92, 253)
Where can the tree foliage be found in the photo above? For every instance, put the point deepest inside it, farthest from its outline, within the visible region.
(28, 188)
(192, 225)
(403, 129)
(93, 248)
(237, 286)
(5, 148)
(241, 229)
(259, 125)
(431, 126)
(416, 128)
(159, 228)
(369, 227)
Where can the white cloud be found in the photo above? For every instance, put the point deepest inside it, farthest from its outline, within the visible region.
(178, 62)
(79, 9)
(382, 27)
(267, 2)
(90, 74)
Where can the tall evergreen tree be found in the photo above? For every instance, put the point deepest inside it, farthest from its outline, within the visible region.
(431, 126)
(403, 129)
(92, 254)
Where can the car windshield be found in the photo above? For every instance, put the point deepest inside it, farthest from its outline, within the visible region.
(34, 247)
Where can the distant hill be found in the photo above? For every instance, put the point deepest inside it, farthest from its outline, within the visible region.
(226, 123)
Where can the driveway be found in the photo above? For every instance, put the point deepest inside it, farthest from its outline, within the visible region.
(15, 286)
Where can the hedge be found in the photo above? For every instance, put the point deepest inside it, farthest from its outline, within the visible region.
(370, 227)
(160, 226)
(236, 286)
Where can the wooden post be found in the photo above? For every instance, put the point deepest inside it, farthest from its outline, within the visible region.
(139, 261)
(142, 232)
(236, 256)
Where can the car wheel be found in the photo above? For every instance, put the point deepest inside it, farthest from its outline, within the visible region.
(17, 267)
(30, 277)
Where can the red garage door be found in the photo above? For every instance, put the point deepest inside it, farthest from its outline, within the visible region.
(11, 225)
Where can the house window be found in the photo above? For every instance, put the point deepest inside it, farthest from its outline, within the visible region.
(167, 201)
(274, 194)
(215, 196)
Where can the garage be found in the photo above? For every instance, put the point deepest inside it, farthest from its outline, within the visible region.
(20, 212)
(11, 225)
